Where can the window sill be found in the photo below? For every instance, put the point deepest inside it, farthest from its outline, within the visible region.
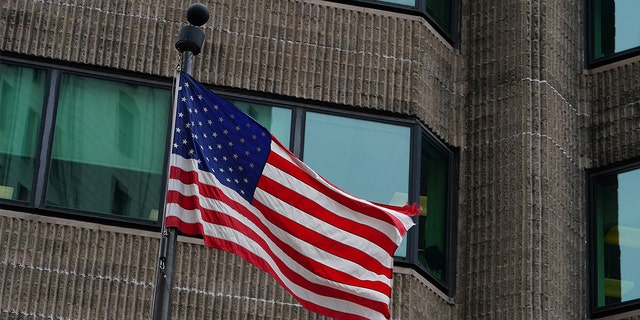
(620, 316)
(604, 65)
(427, 283)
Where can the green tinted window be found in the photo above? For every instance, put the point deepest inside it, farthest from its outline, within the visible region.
(432, 223)
(617, 207)
(108, 147)
(615, 26)
(441, 11)
(21, 100)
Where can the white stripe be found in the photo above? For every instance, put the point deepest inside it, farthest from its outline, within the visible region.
(334, 206)
(302, 247)
(311, 222)
(305, 248)
(391, 230)
(235, 236)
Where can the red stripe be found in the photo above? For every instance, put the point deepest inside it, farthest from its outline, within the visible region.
(310, 264)
(370, 210)
(259, 262)
(326, 243)
(192, 202)
(366, 231)
(320, 269)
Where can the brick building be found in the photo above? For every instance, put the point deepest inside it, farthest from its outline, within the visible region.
(516, 125)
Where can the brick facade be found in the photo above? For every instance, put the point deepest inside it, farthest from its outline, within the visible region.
(513, 97)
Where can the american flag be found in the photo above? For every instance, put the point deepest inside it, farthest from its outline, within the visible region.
(235, 184)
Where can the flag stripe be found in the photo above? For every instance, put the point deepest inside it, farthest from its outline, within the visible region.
(326, 209)
(265, 259)
(333, 242)
(282, 159)
(341, 309)
(322, 207)
(248, 235)
(267, 246)
(361, 251)
(346, 239)
(233, 183)
(360, 276)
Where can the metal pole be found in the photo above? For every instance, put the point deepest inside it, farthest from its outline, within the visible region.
(164, 275)
(186, 63)
(168, 242)
(189, 44)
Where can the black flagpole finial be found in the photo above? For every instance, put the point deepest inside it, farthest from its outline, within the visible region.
(197, 14)
(191, 37)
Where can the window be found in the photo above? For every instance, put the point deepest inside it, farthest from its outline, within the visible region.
(367, 159)
(107, 141)
(442, 14)
(615, 207)
(21, 100)
(277, 120)
(108, 148)
(94, 145)
(410, 3)
(433, 231)
(372, 160)
(613, 30)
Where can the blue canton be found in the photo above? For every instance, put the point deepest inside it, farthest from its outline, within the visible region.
(222, 139)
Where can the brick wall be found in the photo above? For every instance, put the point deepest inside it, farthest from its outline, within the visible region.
(514, 98)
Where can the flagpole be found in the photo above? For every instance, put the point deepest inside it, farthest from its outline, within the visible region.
(189, 44)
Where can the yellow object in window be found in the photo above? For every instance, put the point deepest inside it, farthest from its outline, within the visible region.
(616, 288)
(623, 236)
(6, 192)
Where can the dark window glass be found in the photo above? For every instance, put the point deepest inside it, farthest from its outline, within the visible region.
(441, 11)
(21, 100)
(432, 223)
(617, 247)
(614, 26)
(108, 148)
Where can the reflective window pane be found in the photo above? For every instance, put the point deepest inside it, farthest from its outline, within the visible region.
(108, 149)
(365, 158)
(22, 93)
(277, 120)
(617, 208)
(615, 26)
(432, 223)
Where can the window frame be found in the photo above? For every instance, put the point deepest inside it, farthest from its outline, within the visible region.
(592, 268)
(36, 204)
(448, 285)
(420, 9)
(589, 40)
(418, 130)
(39, 139)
